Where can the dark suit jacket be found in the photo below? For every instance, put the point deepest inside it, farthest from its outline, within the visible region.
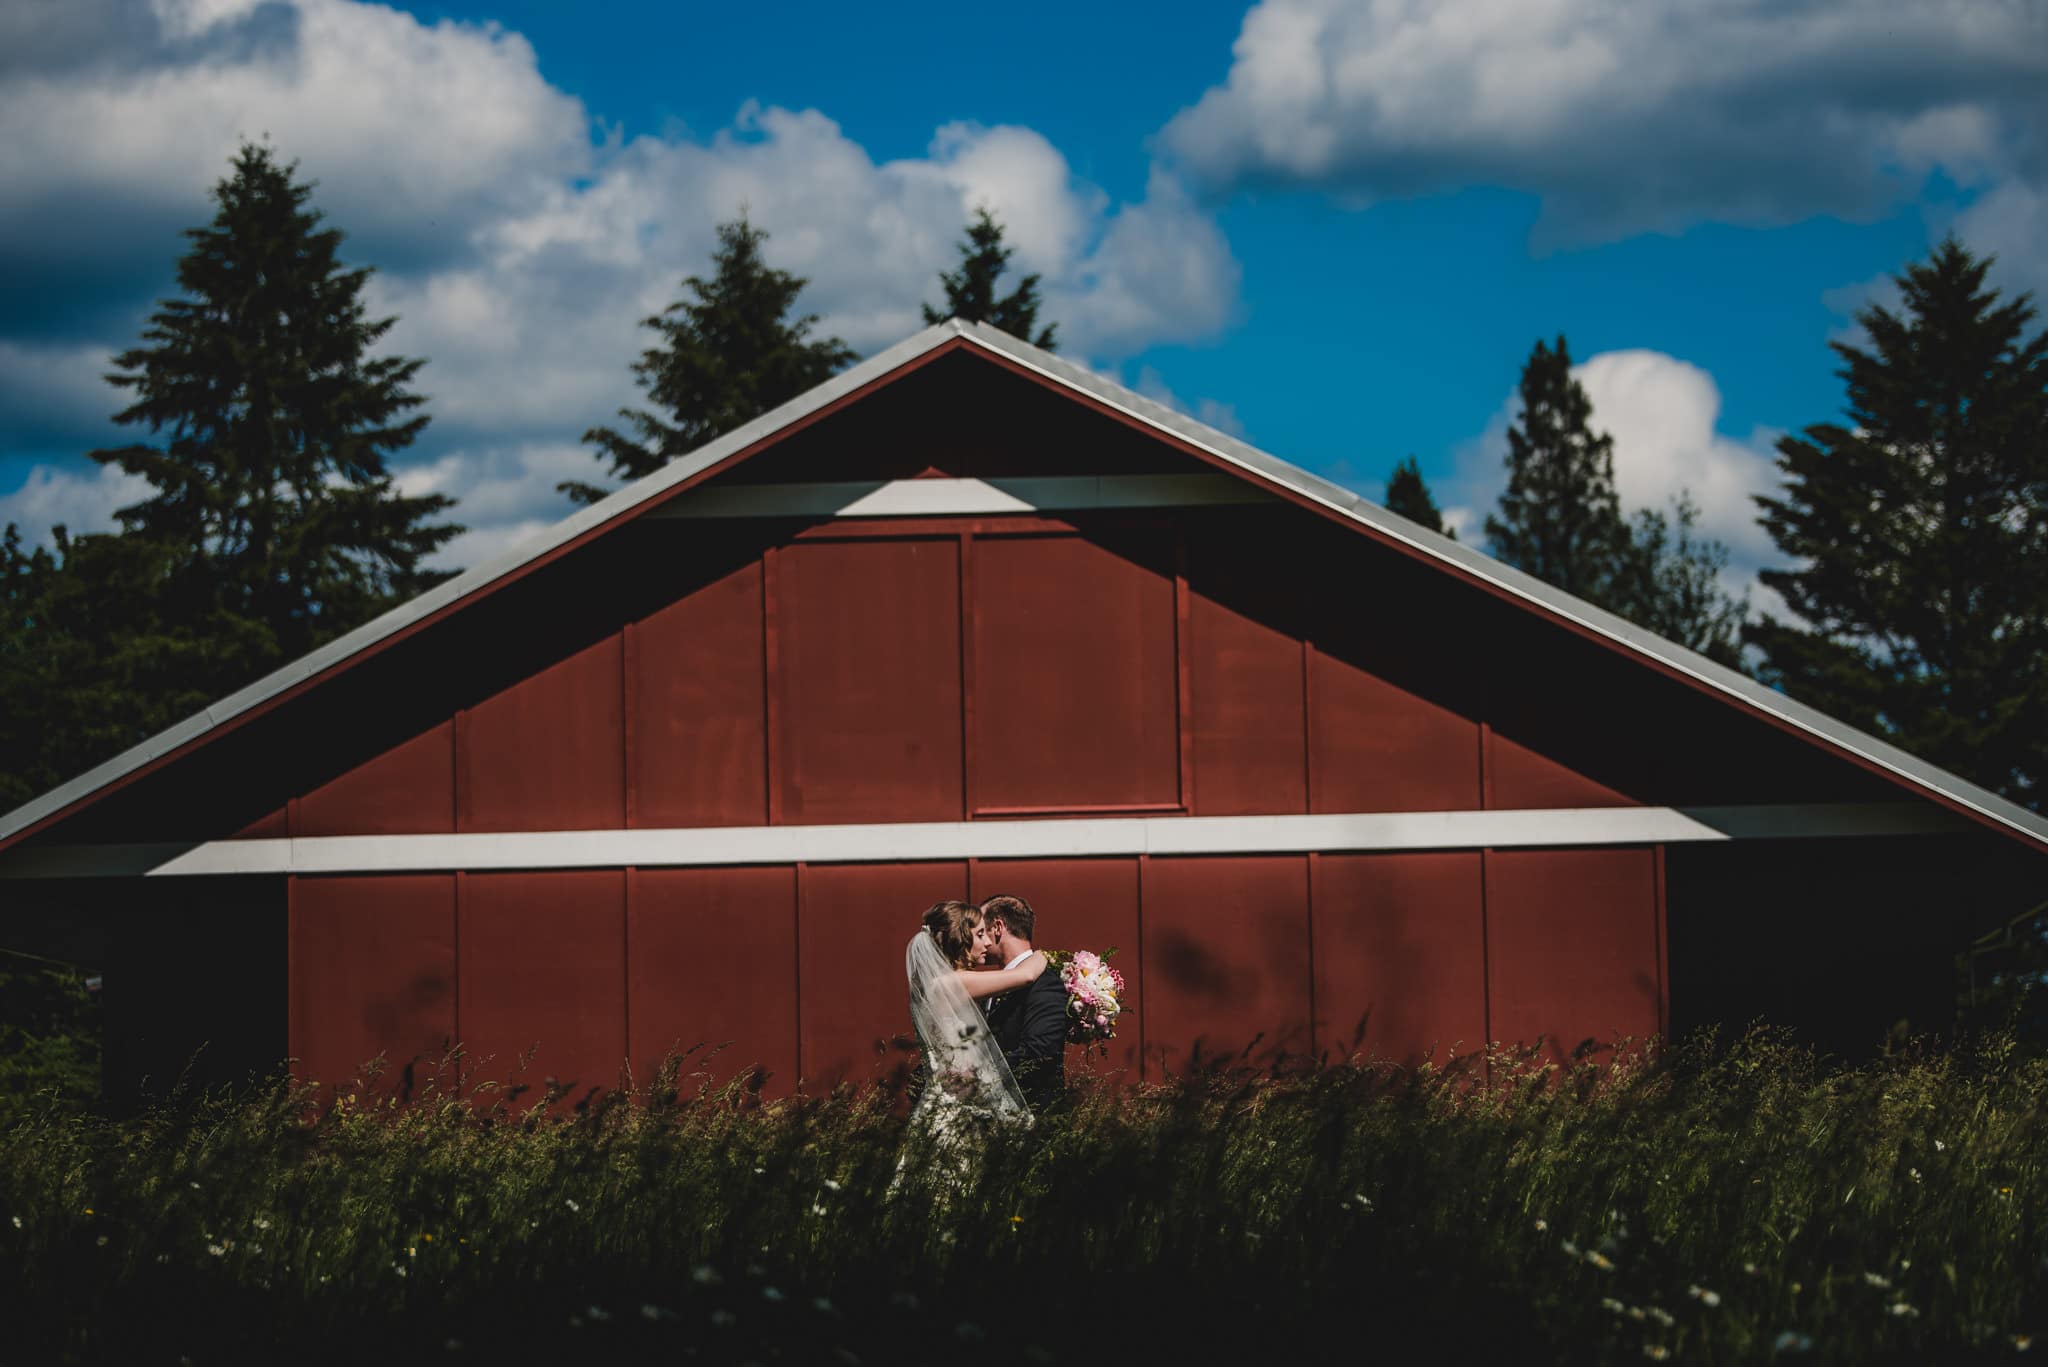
(1031, 1027)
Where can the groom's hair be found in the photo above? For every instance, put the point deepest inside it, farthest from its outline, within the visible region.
(1014, 912)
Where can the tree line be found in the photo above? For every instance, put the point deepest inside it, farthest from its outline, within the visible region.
(1917, 532)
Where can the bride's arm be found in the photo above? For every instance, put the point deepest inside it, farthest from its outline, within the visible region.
(983, 982)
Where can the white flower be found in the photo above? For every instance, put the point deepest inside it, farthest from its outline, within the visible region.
(1704, 1296)
(1876, 1280)
(1542, 1225)
(1901, 1310)
(260, 1222)
(723, 1318)
(570, 1202)
(1608, 1302)
(217, 1250)
(102, 1242)
(17, 1222)
(598, 1313)
(1662, 1316)
(399, 1270)
(705, 1275)
(1914, 1173)
(655, 1312)
(831, 1185)
(1939, 1146)
(817, 1209)
(769, 1293)
(1656, 1352)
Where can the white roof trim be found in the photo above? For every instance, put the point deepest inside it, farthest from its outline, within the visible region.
(1268, 469)
(1056, 837)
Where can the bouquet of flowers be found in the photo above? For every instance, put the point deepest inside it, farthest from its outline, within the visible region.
(1094, 994)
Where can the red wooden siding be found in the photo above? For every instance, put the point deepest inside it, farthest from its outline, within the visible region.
(543, 962)
(856, 920)
(867, 680)
(371, 971)
(711, 960)
(1248, 723)
(1400, 955)
(695, 684)
(1226, 958)
(548, 752)
(409, 789)
(1075, 641)
(1380, 748)
(1082, 904)
(1572, 946)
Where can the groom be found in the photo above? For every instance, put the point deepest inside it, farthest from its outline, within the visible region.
(1030, 1025)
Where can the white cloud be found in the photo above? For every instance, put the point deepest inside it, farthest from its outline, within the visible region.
(518, 254)
(507, 494)
(1625, 117)
(81, 500)
(1662, 413)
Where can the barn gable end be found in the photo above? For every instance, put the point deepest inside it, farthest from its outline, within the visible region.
(974, 620)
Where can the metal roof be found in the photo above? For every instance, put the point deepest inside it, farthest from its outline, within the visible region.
(1469, 563)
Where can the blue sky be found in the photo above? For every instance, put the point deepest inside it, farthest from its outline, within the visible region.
(1333, 226)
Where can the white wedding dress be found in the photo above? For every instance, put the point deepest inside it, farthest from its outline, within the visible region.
(969, 1089)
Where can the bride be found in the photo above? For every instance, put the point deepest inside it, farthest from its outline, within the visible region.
(969, 1087)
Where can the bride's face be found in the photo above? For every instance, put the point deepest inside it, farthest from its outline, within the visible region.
(984, 944)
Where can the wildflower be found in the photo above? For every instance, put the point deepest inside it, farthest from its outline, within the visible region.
(1656, 1352)
(1913, 1173)
(758, 1171)
(1752, 1269)
(1939, 1146)
(723, 1319)
(217, 1250)
(102, 1241)
(1016, 1220)
(1571, 1250)
(1901, 1310)
(17, 1222)
(1662, 1316)
(193, 1185)
(1542, 1225)
(831, 1185)
(705, 1275)
(165, 1257)
(88, 1210)
(821, 1305)
(1876, 1280)
(412, 1251)
(1609, 1303)
(398, 1269)
(426, 1238)
(1789, 1342)
(570, 1202)
(598, 1313)
(817, 1209)
(655, 1312)
(2022, 1342)
(771, 1294)
(260, 1223)
(1704, 1296)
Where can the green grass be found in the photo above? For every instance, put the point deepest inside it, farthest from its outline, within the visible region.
(1746, 1203)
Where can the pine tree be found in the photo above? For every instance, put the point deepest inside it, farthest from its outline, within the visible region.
(971, 290)
(274, 524)
(1560, 518)
(1920, 533)
(727, 355)
(1408, 495)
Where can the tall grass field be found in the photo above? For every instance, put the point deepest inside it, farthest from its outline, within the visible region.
(1736, 1202)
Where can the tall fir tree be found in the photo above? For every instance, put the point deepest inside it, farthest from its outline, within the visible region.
(1560, 518)
(1408, 495)
(728, 354)
(971, 290)
(1919, 532)
(273, 524)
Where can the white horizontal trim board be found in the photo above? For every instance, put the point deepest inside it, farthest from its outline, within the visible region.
(909, 841)
(959, 497)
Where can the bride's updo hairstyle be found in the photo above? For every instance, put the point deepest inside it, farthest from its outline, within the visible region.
(952, 925)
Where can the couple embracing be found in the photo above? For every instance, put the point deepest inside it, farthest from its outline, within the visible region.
(991, 1021)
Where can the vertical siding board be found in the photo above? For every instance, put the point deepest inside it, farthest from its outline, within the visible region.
(695, 671)
(1400, 951)
(1227, 958)
(1572, 949)
(372, 967)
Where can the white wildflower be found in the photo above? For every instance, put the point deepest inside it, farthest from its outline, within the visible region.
(570, 1202)
(1790, 1342)
(102, 1242)
(598, 1313)
(1704, 1296)
(705, 1275)
(1876, 1280)
(1901, 1310)
(1662, 1316)
(831, 1185)
(1542, 1225)
(1656, 1352)
(769, 1293)
(398, 1268)
(217, 1250)
(655, 1312)
(1914, 1173)
(1939, 1146)
(260, 1223)
(17, 1222)
(1609, 1303)
(724, 1318)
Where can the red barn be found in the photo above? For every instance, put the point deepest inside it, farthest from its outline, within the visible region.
(971, 619)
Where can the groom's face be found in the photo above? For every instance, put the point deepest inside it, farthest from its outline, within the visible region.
(995, 932)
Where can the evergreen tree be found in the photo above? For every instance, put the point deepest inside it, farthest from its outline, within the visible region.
(1409, 496)
(727, 355)
(1560, 518)
(971, 290)
(274, 524)
(1920, 533)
